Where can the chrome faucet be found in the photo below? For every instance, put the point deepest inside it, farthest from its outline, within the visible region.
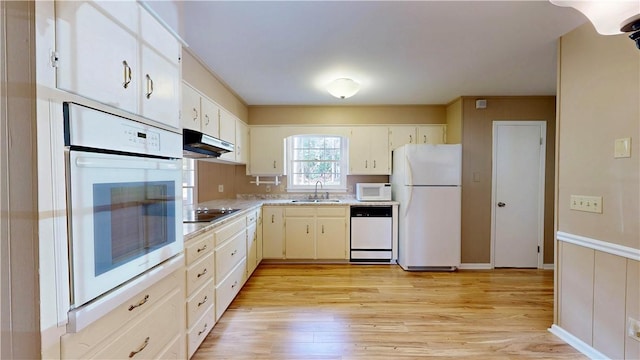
(315, 196)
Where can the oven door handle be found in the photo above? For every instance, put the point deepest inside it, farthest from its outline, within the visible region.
(120, 163)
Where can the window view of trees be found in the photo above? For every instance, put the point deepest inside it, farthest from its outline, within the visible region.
(316, 158)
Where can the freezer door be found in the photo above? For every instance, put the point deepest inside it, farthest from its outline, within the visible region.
(433, 164)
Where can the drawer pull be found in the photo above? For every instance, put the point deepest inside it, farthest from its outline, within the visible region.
(142, 302)
(203, 301)
(203, 248)
(133, 353)
(235, 283)
(203, 330)
(127, 74)
(234, 252)
(149, 86)
(202, 273)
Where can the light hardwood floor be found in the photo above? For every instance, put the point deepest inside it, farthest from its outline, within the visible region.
(382, 312)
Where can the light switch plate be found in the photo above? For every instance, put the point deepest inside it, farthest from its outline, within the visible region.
(220, 188)
(622, 148)
(586, 203)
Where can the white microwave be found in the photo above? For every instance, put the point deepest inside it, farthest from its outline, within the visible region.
(373, 192)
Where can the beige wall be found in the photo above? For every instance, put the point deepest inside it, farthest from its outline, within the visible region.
(454, 122)
(599, 92)
(477, 157)
(200, 77)
(347, 115)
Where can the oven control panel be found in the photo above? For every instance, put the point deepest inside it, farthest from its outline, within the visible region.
(140, 138)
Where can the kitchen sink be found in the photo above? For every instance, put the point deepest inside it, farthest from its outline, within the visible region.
(315, 201)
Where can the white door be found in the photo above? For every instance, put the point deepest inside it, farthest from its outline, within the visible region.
(518, 193)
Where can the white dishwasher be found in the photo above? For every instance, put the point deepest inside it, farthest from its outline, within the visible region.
(371, 233)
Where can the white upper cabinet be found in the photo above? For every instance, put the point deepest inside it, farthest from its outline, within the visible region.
(242, 142)
(369, 151)
(198, 112)
(118, 54)
(423, 134)
(432, 134)
(267, 151)
(228, 132)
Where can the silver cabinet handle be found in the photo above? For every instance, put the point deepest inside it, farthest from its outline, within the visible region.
(425, 139)
(234, 252)
(203, 329)
(235, 283)
(149, 86)
(410, 139)
(144, 345)
(273, 216)
(202, 273)
(366, 164)
(206, 116)
(501, 204)
(195, 114)
(274, 164)
(203, 248)
(127, 74)
(307, 229)
(374, 164)
(140, 303)
(323, 228)
(203, 301)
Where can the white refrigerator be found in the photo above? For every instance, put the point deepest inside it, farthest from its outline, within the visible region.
(426, 181)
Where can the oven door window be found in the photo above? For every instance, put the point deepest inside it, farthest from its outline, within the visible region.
(131, 220)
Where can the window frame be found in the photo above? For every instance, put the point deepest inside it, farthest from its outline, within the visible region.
(189, 181)
(343, 163)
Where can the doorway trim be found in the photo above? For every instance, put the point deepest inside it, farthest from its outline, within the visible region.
(541, 187)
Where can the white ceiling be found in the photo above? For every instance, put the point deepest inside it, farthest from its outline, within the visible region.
(416, 52)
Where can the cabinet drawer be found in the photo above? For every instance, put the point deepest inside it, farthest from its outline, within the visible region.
(229, 288)
(200, 272)
(149, 336)
(300, 211)
(198, 247)
(199, 302)
(252, 217)
(340, 211)
(174, 351)
(76, 346)
(229, 254)
(200, 330)
(228, 231)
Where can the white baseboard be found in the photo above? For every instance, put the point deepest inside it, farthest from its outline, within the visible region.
(479, 266)
(548, 266)
(576, 343)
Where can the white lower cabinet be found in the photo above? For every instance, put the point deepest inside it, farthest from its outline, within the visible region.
(254, 246)
(273, 232)
(200, 295)
(147, 326)
(318, 233)
(231, 262)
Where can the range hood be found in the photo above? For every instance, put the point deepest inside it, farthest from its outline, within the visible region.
(198, 145)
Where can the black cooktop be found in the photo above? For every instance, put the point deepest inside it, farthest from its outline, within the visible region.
(207, 215)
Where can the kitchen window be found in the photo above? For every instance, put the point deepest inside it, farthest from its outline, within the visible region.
(313, 158)
(188, 182)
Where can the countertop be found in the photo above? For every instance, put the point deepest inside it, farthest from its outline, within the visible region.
(191, 230)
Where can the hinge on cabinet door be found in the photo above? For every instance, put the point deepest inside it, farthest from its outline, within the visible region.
(54, 59)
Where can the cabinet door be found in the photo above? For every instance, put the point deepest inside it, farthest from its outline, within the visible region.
(267, 151)
(359, 151)
(331, 241)
(300, 238)
(98, 57)
(210, 117)
(160, 79)
(273, 232)
(252, 249)
(228, 133)
(379, 150)
(190, 108)
(242, 142)
(259, 238)
(160, 73)
(401, 135)
(431, 134)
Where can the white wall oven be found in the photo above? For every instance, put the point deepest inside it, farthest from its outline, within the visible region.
(124, 186)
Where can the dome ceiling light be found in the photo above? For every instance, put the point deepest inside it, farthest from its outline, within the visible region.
(609, 17)
(343, 88)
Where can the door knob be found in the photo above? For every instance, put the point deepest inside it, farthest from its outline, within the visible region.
(501, 204)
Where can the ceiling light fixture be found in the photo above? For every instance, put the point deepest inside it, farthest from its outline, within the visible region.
(609, 17)
(343, 88)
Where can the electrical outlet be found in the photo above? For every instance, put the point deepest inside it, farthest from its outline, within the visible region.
(633, 328)
(220, 188)
(586, 203)
(267, 188)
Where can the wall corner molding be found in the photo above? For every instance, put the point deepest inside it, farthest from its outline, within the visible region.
(576, 343)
